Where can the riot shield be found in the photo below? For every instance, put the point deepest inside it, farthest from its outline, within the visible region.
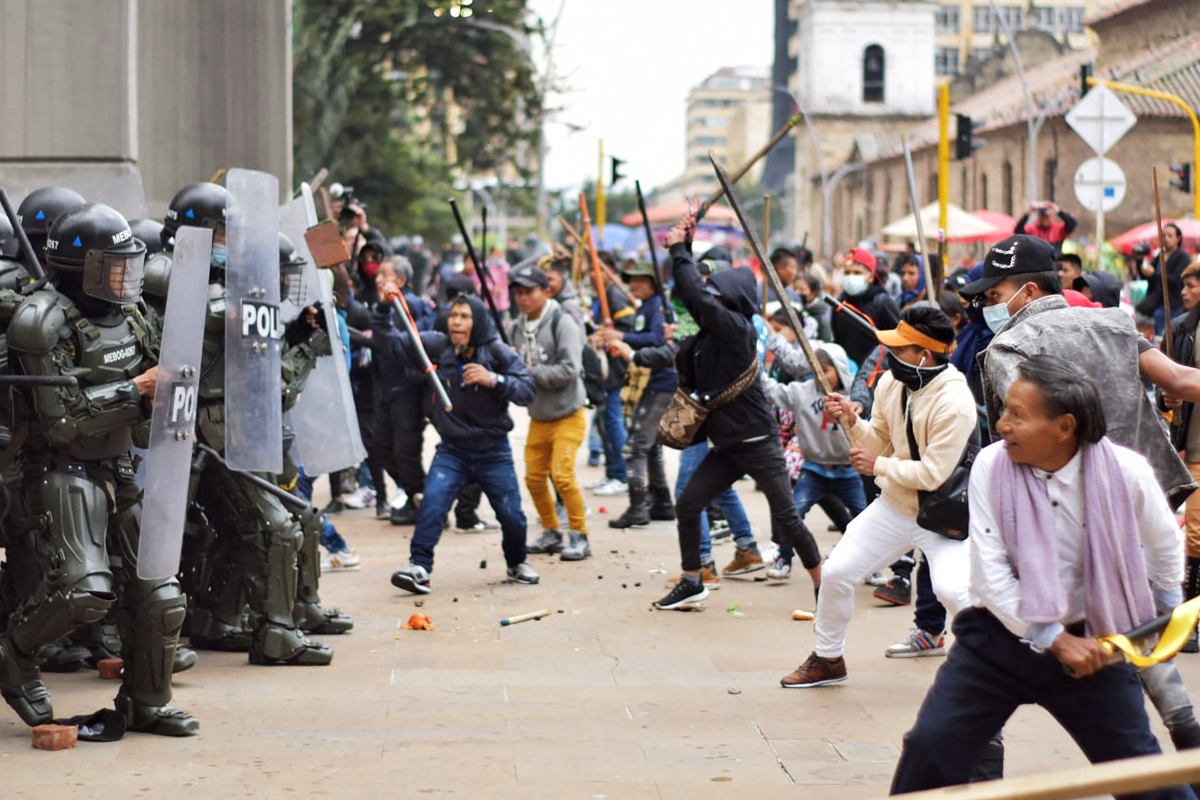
(168, 462)
(253, 394)
(324, 419)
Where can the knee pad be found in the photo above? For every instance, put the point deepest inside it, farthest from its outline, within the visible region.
(88, 606)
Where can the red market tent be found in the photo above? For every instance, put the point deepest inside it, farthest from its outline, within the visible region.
(670, 214)
(1148, 233)
(1003, 224)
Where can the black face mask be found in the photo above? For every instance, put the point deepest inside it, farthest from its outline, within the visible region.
(915, 378)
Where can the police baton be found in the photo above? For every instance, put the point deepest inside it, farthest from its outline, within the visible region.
(401, 309)
(38, 380)
(298, 504)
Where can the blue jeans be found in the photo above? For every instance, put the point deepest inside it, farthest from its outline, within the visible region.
(331, 540)
(454, 467)
(930, 615)
(728, 500)
(613, 420)
(841, 481)
(595, 440)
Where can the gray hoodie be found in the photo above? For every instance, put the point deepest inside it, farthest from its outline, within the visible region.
(820, 439)
(554, 356)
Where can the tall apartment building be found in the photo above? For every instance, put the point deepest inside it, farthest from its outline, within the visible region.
(726, 113)
(970, 28)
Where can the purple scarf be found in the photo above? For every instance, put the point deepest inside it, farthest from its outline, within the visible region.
(1116, 590)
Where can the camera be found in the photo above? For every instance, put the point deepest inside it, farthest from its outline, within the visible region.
(346, 194)
(1141, 250)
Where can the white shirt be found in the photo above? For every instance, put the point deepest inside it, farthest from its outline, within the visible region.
(996, 588)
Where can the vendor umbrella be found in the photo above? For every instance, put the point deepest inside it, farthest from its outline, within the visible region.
(1147, 233)
(1002, 224)
(670, 214)
(960, 225)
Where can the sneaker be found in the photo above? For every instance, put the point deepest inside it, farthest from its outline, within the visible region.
(363, 497)
(382, 510)
(406, 514)
(549, 543)
(719, 529)
(414, 578)
(876, 578)
(611, 488)
(918, 643)
(683, 596)
(780, 570)
(398, 500)
(816, 671)
(334, 506)
(897, 592)
(596, 484)
(577, 548)
(479, 527)
(708, 576)
(744, 562)
(1192, 645)
(342, 561)
(522, 573)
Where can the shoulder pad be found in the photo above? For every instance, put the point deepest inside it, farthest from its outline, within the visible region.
(157, 275)
(38, 323)
(13, 274)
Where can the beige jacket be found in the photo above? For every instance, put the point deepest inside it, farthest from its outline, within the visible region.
(944, 416)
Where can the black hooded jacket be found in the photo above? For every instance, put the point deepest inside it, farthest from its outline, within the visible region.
(480, 417)
(725, 346)
(877, 304)
(1106, 287)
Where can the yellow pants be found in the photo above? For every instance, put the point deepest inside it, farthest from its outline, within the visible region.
(1191, 517)
(550, 451)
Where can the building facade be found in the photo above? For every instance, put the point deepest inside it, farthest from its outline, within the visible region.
(725, 111)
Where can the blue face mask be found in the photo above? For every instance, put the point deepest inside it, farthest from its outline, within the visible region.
(997, 316)
(218, 256)
(854, 285)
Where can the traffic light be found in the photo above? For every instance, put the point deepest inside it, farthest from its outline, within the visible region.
(616, 170)
(1183, 177)
(965, 142)
(1085, 72)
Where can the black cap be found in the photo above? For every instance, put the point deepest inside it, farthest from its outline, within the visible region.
(1017, 255)
(529, 277)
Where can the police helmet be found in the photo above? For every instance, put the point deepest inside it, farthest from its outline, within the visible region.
(40, 208)
(201, 205)
(8, 239)
(291, 272)
(95, 240)
(150, 232)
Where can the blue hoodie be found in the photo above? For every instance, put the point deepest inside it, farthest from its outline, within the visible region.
(480, 419)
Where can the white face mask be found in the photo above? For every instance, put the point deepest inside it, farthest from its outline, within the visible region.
(854, 285)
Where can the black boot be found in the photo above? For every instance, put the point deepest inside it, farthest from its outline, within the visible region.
(406, 515)
(638, 513)
(661, 507)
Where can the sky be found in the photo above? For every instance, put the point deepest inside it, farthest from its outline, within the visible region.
(629, 65)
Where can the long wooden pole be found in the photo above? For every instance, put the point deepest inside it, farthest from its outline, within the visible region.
(597, 275)
(608, 271)
(1162, 267)
(754, 159)
(767, 241)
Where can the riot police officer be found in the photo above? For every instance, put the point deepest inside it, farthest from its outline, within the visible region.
(77, 476)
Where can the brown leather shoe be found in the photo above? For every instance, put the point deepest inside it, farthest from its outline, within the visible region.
(745, 562)
(708, 576)
(816, 671)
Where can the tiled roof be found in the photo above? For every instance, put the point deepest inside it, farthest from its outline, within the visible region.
(1172, 66)
(1113, 10)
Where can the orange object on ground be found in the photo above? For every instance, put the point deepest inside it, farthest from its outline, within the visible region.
(418, 622)
(110, 668)
(55, 737)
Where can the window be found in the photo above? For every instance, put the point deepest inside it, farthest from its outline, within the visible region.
(983, 191)
(946, 61)
(1051, 172)
(981, 54)
(1057, 21)
(933, 189)
(713, 122)
(1072, 19)
(964, 202)
(709, 141)
(946, 19)
(873, 74)
(887, 199)
(1006, 176)
(986, 22)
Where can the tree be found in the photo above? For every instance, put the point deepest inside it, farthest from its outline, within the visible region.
(398, 98)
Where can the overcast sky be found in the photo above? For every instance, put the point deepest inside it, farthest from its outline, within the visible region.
(630, 65)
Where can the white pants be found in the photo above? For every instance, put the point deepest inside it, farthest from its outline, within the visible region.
(874, 539)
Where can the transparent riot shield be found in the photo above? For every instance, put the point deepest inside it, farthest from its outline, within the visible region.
(168, 462)
(253, 395)
(324, 419)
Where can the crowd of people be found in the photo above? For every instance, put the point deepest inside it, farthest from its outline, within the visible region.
(865, 389)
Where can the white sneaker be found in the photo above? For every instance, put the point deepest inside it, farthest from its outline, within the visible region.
(596, 484)
(398, 500)
(780, 570)
(611, 489)
(363, 497)
(344, 561)
(876, 579)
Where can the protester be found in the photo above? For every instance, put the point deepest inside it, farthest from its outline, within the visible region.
(551, 345)
(1099, 287)
(742, 431)
(912, 283)
(808, 289)
(612, 418)
(786, 267)
(862, 288)
(1176, 260)
(1069, 267)
(1071, 539)
(922, 398)
(481, 377)
(1047, 222)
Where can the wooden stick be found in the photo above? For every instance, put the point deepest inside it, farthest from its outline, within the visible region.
(767, 241)
(545, 612)
(1162, 268)
(922, 245)
(754, 159)
(1114, 777)
(608, 271)
(597, 276)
